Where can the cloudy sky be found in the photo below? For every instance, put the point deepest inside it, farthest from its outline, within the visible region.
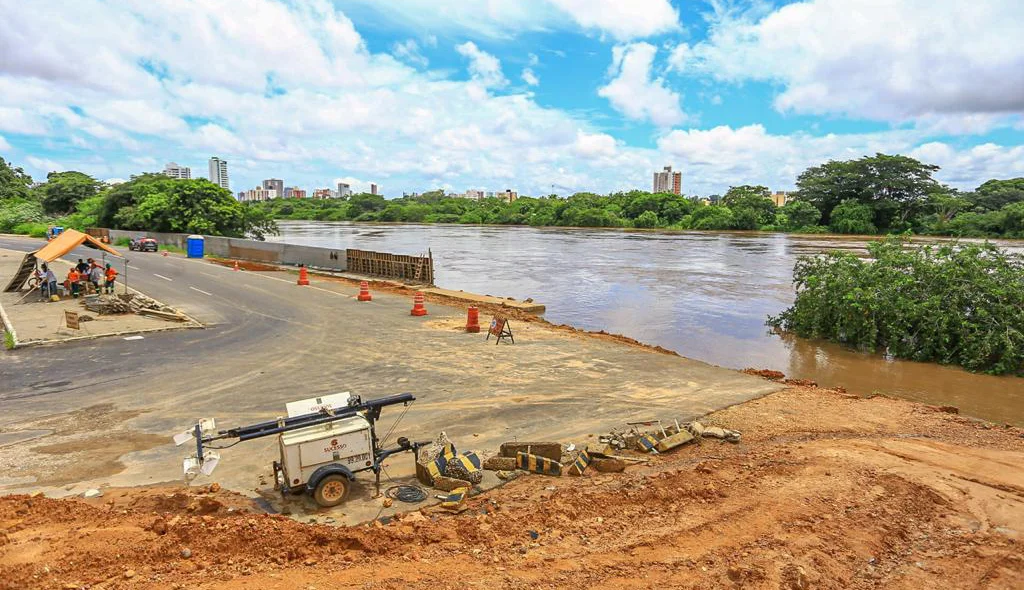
(536, 95)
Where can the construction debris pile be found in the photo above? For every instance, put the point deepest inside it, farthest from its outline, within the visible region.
(131, 303)
(442, 467)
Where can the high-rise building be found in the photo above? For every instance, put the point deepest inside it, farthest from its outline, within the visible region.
(668, 181)
(344, 190)
(322, 193)
(219, 172)
(373, 188)
(508, 195)
(298, 193)
(274, 184)
(258, 194)
(173, 170)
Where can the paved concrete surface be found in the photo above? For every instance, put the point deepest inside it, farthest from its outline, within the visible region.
(102, 412)
(36, 320)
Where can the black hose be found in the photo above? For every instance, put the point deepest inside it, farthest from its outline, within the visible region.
(406, 493)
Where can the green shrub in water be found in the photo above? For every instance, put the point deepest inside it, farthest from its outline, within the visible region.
(955, 303)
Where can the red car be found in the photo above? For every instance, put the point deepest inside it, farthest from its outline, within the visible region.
(143, 245)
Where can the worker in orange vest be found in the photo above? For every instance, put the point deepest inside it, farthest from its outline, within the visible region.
(73, 279)
(111, 277)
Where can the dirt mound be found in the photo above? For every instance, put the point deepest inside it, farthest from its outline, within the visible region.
(766, 373)
(824, 490)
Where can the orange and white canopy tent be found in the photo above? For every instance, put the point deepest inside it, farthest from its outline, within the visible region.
(59, 246)
(67, 241)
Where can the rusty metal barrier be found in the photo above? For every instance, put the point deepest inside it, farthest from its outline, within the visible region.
(418, 269)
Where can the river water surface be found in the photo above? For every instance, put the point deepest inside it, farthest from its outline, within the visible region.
(704, 295)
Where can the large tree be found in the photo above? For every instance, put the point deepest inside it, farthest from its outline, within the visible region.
(996, 194)
(14, 183)
(895, 187)
(751, 206)
(63, 190)
(154, 202)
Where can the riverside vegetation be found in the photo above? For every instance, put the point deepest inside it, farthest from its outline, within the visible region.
(870, 195)
(148, 202)
(956, 303)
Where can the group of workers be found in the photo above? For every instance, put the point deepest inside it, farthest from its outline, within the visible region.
(79, 278)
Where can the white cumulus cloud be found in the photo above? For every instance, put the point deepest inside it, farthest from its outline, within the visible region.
(529, 77)
(876, 59)
(483, 67)
(634, 92)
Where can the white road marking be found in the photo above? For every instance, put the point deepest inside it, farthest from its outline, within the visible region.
(201, 291)
(134, 337)
(162, 277)
(209, 275)
(134, 267)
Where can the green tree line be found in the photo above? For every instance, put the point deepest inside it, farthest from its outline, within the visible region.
(148, 202)
(872, 195)
(877, 194)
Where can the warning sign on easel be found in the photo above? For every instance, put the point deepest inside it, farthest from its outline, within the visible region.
(501, 328)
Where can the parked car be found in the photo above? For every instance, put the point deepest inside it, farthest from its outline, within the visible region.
(143, 245)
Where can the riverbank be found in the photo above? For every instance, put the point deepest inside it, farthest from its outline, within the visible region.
(824, 490)
(705, 295)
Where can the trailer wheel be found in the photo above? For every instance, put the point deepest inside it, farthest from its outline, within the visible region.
(331, 490)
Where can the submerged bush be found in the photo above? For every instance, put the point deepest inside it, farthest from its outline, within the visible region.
(955, 303)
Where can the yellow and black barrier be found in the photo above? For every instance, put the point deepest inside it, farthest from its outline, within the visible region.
(649, 443)
(436, 468)
(528, 462)
(580, 464)
(455, 499)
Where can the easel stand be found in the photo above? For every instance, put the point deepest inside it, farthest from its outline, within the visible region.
(501, 328)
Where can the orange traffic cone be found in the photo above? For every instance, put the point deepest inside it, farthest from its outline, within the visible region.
(473, 320)
(303, 276)
(417, 305)
(236, 265)
(364, 292)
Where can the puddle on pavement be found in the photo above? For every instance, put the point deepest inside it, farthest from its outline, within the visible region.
(13, 438)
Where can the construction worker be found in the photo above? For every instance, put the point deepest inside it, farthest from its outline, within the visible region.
(111, 275)
(96, 277)
(50, 280)
(73, 281)
(82, 267)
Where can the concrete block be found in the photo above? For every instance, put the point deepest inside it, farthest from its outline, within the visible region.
(548, 450)
(609, 465)
(500, 464)
(448, 484)
(676, 440)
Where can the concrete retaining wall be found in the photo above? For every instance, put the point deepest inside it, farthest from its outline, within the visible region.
(269, 252)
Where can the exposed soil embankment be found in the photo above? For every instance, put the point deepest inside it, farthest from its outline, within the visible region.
(825, 490)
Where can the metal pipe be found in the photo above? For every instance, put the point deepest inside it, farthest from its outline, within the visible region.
(277, 426)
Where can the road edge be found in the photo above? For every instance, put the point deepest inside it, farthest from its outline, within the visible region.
(8, 326)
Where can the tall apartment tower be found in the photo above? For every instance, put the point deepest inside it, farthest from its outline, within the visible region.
(219, 172)
(373, 188)
(344, 190)
(173, 170)
(274, 184)
(667, 181)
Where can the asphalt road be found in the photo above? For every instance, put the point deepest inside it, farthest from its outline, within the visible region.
(234, 306)
(102, 411)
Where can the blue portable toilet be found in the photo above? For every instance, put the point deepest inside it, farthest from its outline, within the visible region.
(195, 246)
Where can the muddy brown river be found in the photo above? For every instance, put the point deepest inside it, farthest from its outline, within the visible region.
(704, 295)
